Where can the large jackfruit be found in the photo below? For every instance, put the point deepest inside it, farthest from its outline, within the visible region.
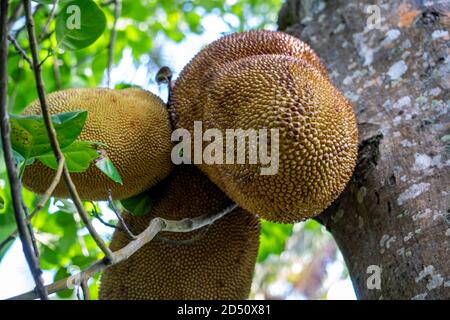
(133, 123)
(214, 262)
(270, 80)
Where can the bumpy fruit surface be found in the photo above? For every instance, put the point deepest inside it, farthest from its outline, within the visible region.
(215, 262)
(270, 80)
(133, 123)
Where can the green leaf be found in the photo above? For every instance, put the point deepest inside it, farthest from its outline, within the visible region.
(29, 135)
(273, 239)
(138, 205)
(312, 225)
(82, 261)
(124, 85)
(79, 24)
(48, 256)
(5, 231)
(5, 249)
(193, 19)
(78, 155)
(62, 274)
(44, 1)
(107, 167)
(7, 221)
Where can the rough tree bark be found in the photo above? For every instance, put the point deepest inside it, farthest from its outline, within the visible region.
(395, 213)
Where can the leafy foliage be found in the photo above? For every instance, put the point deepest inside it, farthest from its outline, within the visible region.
(30, 142)
(273, 239)
(107, 167)
(29, 136)
(138, 205)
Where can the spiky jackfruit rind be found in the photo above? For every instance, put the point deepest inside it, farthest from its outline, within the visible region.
(263, 85)
(135, 126)
(215, 262)
(190, 84)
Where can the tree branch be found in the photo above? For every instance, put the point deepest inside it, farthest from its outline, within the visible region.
(56, 71)
(41, 202)
(95, 214)
(52, 133)
(156, 225)
(19, 50)
(15, 15)
(10, 238)
(49, 19)
(122, 223)
(50, 189)
(85, 288)
(112, 40)
(14, 181)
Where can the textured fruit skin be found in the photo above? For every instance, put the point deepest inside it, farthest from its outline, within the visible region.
(217, 262)
(135, 126)
(264, 79)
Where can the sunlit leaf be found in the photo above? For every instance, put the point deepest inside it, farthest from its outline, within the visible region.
(273, 239)
(107, 167)
(29, 135)
(78, 155)
(62, 273)
(138, 205)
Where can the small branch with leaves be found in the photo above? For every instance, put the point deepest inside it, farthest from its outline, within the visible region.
(16, 188)
(52, 133)
(121, 223)
(156, 226)
(19, 50)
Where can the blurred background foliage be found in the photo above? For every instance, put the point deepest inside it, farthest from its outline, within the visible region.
(294, 260)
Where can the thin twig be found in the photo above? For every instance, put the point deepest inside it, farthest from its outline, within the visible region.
(84, 286)
(23, 27)
(10, 238)
(112, 40)
(14, 181)
(19, 50)
(99, 218)
(30, 229)
(52, 133)
(41, 202)
(56, 71)
(83, 215)
(49, 19)
(122, 223)
(48, 193)
(77, 290)
(15, 15)
(156, 225)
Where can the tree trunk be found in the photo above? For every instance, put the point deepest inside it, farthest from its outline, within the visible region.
(395, 212)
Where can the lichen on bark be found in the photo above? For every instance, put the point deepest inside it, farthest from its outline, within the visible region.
(395, 212)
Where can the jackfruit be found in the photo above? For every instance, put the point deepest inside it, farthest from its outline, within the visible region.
(133, 123)
(270, 80)
(214, 262)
